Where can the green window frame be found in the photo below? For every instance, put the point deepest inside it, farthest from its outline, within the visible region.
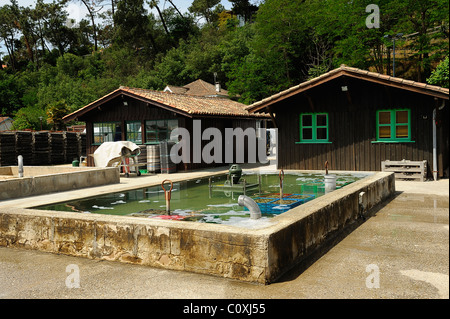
(393, 125)
(159, 130)
(314, 128)
(134, 131)
(106, 132)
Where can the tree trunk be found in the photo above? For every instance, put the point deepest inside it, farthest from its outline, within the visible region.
(10, 53)
(175, 8)
(94, 29)
(112, 12)
(154, 4)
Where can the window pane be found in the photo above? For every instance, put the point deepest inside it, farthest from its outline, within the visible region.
(151, 137)
(162, 135)
(307, 133)
(150, 125)
(172, 124)
(322, 133)
(161, 124)
(306, 120)
(401, 117)
(134, 137)
(385, 131)
(321, 120)
(134, 132)
(116, 131)
(107, 132)
(384, 117)
(401, 131)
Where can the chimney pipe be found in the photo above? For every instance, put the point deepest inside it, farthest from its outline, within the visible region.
(216, 82)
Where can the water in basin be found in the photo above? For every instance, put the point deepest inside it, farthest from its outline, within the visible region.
(194, 200)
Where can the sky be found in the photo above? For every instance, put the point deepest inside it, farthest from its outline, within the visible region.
(77, 10)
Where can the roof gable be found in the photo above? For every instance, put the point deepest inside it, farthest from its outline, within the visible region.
(5, 118)
(202, 88)
(344, 70)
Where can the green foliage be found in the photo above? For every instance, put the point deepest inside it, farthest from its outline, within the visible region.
(55, 112)
(146, 80)
(30, 118)
(131, 24)
(283, 43)
(204, 8)
(10, 94)
(70, 65)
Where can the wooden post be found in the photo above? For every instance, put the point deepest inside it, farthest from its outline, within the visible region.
(259, 182)
(210, 187)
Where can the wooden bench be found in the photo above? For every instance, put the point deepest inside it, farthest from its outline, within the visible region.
(407, 170)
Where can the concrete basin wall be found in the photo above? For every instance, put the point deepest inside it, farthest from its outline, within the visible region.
(39, 180)
(255, 255)
(194, 247)
(307, 228)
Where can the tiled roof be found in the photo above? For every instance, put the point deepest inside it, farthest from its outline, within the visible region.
(187, 105)
(175, 89)
(357, 73)
(192, 104)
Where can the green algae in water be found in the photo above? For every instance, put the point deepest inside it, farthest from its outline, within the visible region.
(194, 200)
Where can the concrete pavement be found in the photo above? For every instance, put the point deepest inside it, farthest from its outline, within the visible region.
(402, 251)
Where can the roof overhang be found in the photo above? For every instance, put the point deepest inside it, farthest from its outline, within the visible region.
(122, 93)
(115, 94)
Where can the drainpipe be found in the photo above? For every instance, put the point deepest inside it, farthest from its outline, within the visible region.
(255, 212)
(435, 162)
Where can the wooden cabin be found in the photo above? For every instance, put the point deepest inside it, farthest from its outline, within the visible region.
(5, 123)
(147, 117)
(356, 119)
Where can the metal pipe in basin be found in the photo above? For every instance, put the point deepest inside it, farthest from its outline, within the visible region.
(252, 206)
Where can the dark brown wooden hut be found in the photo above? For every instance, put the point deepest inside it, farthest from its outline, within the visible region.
(355, 119)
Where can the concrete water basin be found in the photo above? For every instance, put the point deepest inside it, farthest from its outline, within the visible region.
(254, 255)
(38, 180)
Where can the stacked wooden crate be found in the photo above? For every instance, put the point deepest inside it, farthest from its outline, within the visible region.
(167, 166)
(153, 158)
(24, 146)
(56, 145)
(41, 148)
(142, 158)
(405, 169)
(71, 146)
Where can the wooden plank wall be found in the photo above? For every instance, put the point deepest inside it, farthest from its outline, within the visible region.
(221, 124)
(114, 111)
(352, 127)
